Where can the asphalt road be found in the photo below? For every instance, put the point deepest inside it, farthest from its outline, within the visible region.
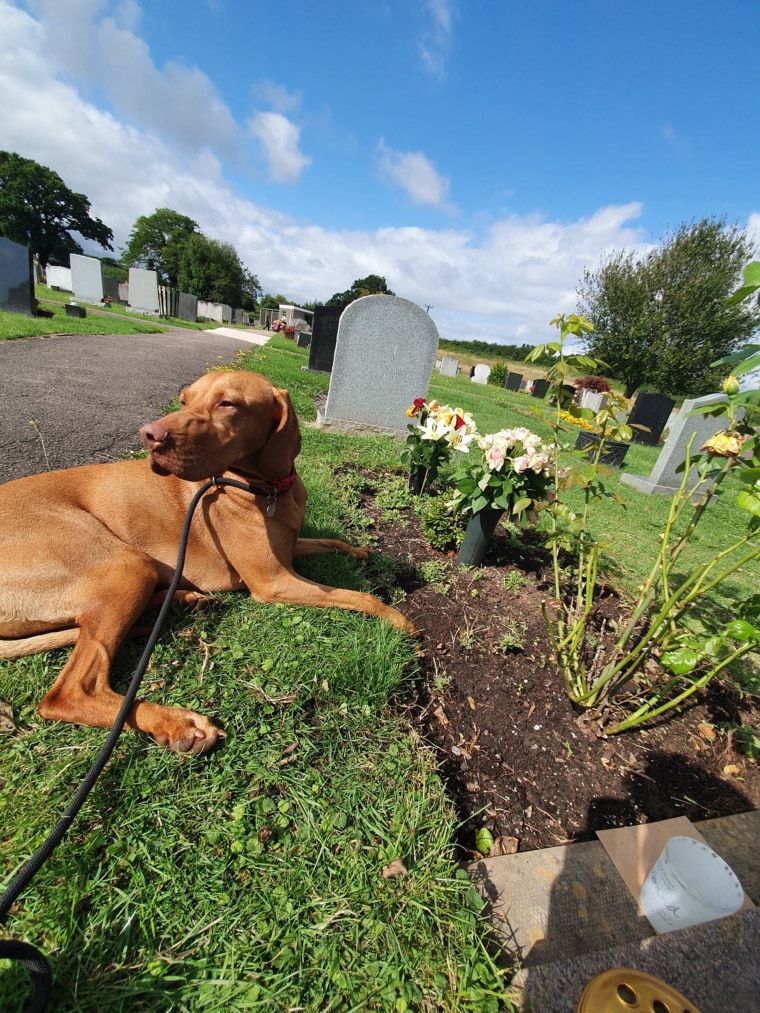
(89, 395)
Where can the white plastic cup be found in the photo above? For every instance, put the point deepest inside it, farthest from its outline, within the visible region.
(687, 885)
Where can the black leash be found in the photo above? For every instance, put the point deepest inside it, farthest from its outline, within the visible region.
(27, 954)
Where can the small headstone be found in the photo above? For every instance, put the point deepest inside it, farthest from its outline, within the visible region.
(652, 411)
(239, 317)
(124, 292)
(593, 400)
(59, 277)
(324, 334)
(111, 288)
(481, 374)
(16, 278)
(514, 380)
(187, 307)
(384, 356)
(143, 290)
(86, 278)
(665, 479)
(303, 339)
(75, 310)
(540, 387)
(449, 366)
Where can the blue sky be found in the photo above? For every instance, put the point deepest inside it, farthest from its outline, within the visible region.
(479, 154)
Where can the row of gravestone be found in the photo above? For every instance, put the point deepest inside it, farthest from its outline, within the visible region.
(85, 279)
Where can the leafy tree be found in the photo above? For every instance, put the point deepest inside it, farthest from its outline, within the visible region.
(272, 302)
(663, 319)
(38, 210)
(212, 270)
(373, 284)
(157, 242)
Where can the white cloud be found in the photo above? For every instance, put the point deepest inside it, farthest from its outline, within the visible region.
(279, 140)
(276, 96)
(435, 44)
(414, 173)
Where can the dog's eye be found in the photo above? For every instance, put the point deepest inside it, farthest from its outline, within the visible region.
(226, 404)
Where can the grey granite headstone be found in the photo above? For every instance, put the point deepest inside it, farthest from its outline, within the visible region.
(513, 381)
(652, 411)
(324, 334)
(187, 307)
(58, 277)
(124, 292)
(143, 290)
(449, 366)
(664, 478)
(384, 357)
(86, 278)
(481, 374)
(592, 400)
(16, 278)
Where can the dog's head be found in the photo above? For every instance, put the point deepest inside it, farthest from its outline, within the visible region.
(228, 420)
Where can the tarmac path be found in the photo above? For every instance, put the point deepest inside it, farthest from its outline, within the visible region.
(88, 395)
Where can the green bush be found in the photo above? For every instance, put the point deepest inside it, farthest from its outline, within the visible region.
(498, 375)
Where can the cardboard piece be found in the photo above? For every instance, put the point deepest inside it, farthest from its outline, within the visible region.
(634, 850)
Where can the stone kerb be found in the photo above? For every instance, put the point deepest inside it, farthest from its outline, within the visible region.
(384, 357)
(665, 479)
(143, 290)
(86, 278)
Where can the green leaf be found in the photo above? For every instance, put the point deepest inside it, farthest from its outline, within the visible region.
(741, 630)
(749, 501)
(680, 661)
(554, 347)
(521, 504)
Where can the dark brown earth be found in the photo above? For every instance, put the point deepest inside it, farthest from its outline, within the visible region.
(514, 755)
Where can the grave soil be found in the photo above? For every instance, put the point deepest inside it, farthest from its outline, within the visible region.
(516, 756)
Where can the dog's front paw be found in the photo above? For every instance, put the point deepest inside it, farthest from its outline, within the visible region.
(189, 732)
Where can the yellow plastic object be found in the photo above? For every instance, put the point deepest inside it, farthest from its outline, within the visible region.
(623, 990)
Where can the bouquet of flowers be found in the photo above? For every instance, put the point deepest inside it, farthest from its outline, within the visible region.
(512, 471)
(436, 433)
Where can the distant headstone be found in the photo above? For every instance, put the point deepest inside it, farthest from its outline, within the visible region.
(665, 479)
(384, 356)
(303, 339)
(240, 317)
(652, 411)
(124, 292)
(449, 366)
(16, 278)
(143, 290)
(481, 374)
(187, 307)
(168, 301)
(324, 334)
(514, 381)
(111, 288)
(593, 400)
(218, 311)
(86, 278)
(540, 387)
(59, 277)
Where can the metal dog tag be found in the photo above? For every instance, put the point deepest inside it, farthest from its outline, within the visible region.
(271, 506)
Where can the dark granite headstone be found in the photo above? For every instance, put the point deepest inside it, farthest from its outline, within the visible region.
(16, 278)
(110, 287)
(652, 411)
(324, 333)
(513, 381)
(74, 310)
(540, 387)
(187, 307)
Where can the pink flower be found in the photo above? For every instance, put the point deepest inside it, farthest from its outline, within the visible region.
(522, 463)
(495, 457)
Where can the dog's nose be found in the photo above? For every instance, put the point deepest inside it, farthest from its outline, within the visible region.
(153, 435)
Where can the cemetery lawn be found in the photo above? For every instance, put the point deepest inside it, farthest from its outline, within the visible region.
(252, 878)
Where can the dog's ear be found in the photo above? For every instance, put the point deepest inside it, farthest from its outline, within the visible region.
(281, 449)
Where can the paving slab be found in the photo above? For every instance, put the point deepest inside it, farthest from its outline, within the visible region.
(564, 914)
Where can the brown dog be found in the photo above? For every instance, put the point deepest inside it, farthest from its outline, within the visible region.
(84, 551)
